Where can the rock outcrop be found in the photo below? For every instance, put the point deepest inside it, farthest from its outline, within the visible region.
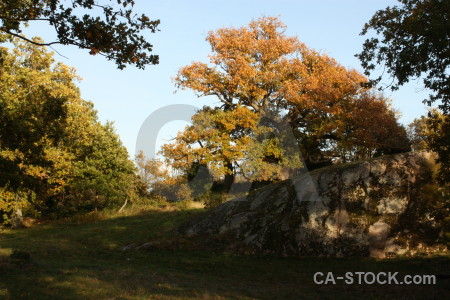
(343, 210)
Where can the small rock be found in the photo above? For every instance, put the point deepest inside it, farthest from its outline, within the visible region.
(149, 246)
(128, 247)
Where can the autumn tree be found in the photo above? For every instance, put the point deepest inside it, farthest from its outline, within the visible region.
(150, 171)
(216, 139)
(109, 28)
(280, 81)
(220, 145)
(372, 129)
(260, 68)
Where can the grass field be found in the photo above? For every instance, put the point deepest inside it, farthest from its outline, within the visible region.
(84, 260)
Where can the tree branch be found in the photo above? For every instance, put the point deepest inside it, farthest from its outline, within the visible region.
(24, 19)
(58, 52)
(28, 40)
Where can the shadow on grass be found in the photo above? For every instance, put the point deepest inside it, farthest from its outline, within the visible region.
(84, 261)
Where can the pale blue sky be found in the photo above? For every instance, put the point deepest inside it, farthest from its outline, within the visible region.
(127, 97)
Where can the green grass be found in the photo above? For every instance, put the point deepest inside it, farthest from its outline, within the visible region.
(83, 260)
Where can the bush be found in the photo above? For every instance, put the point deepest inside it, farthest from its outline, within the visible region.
(173, 190)
(212, 199)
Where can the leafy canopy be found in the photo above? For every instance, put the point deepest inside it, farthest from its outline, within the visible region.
(258, 66)
(108, 27)
(55, 156)
(413, 40)
(416, 42)
(263, 80)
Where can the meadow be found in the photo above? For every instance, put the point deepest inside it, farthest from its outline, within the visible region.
(83, 258)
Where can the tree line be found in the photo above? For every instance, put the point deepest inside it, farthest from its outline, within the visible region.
(284, 108)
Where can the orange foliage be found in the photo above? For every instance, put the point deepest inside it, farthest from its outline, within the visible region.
(259, 73)
(260, 67)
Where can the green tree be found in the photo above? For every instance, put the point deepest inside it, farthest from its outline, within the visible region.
(415, 42)
(439, 142)
(103, 27)
(33, 94)
(103, 175)
(55, 156)
(419, 132)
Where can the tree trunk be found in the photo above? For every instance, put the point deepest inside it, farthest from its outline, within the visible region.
(17, 219)
(123, 206)
(229, 178)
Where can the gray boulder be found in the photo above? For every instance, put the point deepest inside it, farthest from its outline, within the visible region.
(342, 210)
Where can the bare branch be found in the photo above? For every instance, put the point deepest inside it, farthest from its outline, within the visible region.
(28, 40)
(58, 52)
